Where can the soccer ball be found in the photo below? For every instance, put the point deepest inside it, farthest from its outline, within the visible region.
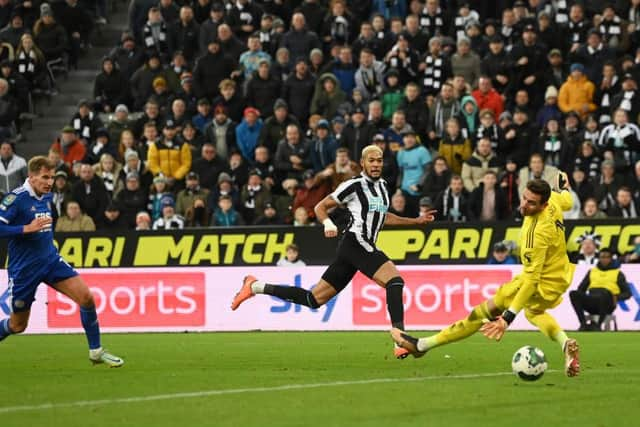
(529, 363)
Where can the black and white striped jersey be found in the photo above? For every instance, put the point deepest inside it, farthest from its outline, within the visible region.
(367, 201)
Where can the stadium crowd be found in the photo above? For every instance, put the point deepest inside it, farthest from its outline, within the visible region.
(217, 113)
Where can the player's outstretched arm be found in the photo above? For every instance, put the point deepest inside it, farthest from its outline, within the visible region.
(7, 230)
(393, 219)
(322, 215)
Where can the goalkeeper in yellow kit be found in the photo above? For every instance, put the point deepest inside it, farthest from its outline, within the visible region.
(546, 275)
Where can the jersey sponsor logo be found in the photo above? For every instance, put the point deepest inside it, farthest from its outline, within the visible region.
(376, 204)
(7, 201)
(434, 297)
(132, 299)
(527, 257)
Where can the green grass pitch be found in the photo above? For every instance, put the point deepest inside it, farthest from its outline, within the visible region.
(312, 379)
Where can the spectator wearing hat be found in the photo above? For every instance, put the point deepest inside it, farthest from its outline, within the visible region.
(127, 57)
(357, 134)
(425, 206)
(495, 64)
(131, 199)
(15, 28)
(593, 55)
(413, 163)
(192, 191)
(309, 193)
(50, 36)
(324, 146)
(225, 186)
(549, 110)
(263, 89)
(119, 123)
(161, 92)
(327, 97)
(465, 62)
(61, 192)
(298, 90)
(113, 219)
(169, 220)
(203, 116)
(253, 197)
(169, 156)
(69, 146)
(530, 62)
(13, 168)
(275, 126)
(501, 254)
(186, 93)
(159, 189)
(269, 38)
(85, 122)
(110, 88)
(391, 94)
(549, 33)
(184, 34)
(558, 70)
(224, 214)
(101, 145)
(628, 99)
(468, 117)
(282, 66)
(210, 15)
(299, 40)
(133, 163)
(74, 220)
(247, 133)
(221, 132)
(91, 194)
(142, 79)
(577, 93)
(210, 69)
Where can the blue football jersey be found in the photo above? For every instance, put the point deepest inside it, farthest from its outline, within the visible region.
(28, 252)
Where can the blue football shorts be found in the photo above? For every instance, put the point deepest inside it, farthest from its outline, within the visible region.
(23, 285)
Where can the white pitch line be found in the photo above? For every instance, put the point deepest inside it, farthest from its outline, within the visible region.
(205, 393)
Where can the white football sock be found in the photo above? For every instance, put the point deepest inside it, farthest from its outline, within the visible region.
(257, 287)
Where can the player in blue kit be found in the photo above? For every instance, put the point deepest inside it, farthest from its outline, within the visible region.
(25, 219)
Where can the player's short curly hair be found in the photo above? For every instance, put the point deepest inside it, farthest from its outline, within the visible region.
(38, 162)
(541, 188)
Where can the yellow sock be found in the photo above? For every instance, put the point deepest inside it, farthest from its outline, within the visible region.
(548, 326)
(457, 331)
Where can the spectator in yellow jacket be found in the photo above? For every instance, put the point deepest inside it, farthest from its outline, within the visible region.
(169, 156)
(454, 147)
(576, 94)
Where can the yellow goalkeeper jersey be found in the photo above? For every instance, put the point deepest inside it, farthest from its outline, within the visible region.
(543, 249)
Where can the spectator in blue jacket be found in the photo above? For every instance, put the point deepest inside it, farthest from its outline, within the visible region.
(323, 152)
(413, 161)
(247, 133)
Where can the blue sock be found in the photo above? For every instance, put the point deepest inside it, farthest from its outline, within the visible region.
(89, 320)
(5, 330)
